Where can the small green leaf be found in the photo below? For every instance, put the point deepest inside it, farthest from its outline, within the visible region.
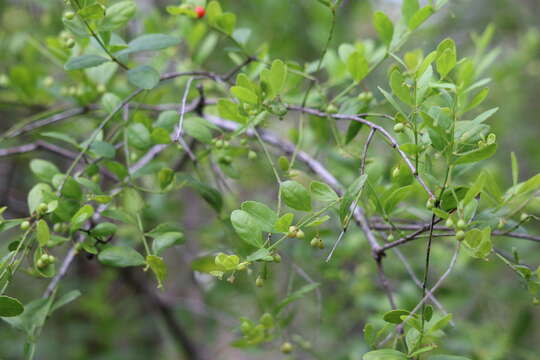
(408, 9)
(400, 88)
(166, 240)
(144, 77)
(265, 216)
(395, 316)
(295, 195)
(384, 27)
(158, 267)
(120, 256)
(357, 66)
(278, 75)
(84, 61)
(103, 230)
(247, 227)
(139, 136)
(103, 149)
(477, 99)
(10, 307)
(43, 169)
(117, 15)
(384, 354)
(165, 177)
(420, 17)
(42, 232)
(150, 42)
(283, 223)
(81, 216)
(322, 191)
(476, 155)
(245, 95)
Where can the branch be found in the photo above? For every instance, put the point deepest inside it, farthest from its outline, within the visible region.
(379, 128)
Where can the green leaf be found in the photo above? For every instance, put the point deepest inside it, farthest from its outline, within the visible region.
(476, 155)
(40, 193)
(395, 197)
(42, 232)
(144, 77)
(103, 149)
(475, 189)
(158, 267)
(479, 242)
(197, 128)
(322, 191)
(245, 95)
(10, 307)
(104, 230)
(515, 169)
(165, 177)
(283, 223)
(384, 27)
(65, 299)
(408, 9)
(278, 75)
(420, 17)
(400, 88)
(265, 216)
(384, 354)
(296, 295)
(166, 240)
(447, 357)
(350, 195)
(477, 99)
(247, 227)
(93, 12)
(150, 42)
(357, 66)
(44, 169)
(395, 316)
(295, 195)
(84, 61)
(80, 217)
(139, 136)
(446, 57)
(120, 256)
(226, 22)
(118, 15)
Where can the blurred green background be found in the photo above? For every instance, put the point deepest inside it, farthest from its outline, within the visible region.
(494, 321)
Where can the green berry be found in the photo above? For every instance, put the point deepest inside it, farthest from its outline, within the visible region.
(399, 127)
(460, 235)
(331, 109)
(449, 222)
(286, 347)
(252, 155)
(430, 204)
(390, 238)
(259, 282)
(42, 208)
(40, 264)
(321, 244)
(219, 143)
(461, 224)
(314, 242)
(277, 257)
(25, 225)
(300, 234)
(69, 15)
(51, 259)
(226, 144)
(292, 231)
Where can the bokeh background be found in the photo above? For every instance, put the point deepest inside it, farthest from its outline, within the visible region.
(112, 320)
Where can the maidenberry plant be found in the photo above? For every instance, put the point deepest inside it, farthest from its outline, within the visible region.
(138, 121)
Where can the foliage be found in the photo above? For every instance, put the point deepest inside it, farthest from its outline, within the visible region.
(248, 171)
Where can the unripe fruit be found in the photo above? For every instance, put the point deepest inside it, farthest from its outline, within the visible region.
(40, 264)
(461, 224)
(259, 282)
(460, 235)
(44, 258)
(252, 155)
(300, 234)
(449, 222)
(321, 244)
(51, 259)
(48, 81)
(286, 347)
(69, 15)
(277, 257)
(69, 43)
(395, 172)
(399, 127)
(430, 204)
(200, 11)
(292, 231)
(331, 109)
(42, 208)
(245, 327)
(226, 144)
(219, 143)
(243, 142)
(96, 178)
(314, 242)
(523, 217)
(390, 238)
(25, 225)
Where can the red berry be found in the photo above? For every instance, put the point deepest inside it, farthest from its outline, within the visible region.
(200, 11)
